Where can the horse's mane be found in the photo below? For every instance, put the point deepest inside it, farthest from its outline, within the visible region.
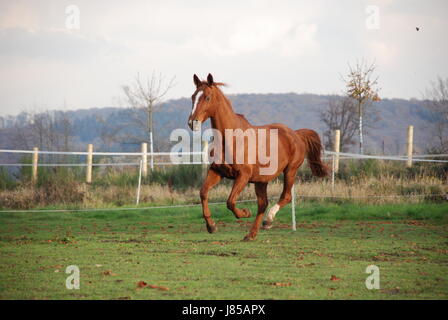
(217, 84)
(221, 84)
(241, 116)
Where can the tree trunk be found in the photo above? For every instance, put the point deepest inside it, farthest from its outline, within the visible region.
(361, 149)
(151, 142)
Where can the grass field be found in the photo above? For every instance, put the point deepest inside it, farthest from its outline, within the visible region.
(325, 258)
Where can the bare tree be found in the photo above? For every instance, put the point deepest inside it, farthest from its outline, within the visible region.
(146, 94)
(110, 134)
(361, 86)
(437, 105)
(47, 130)
(66, 128)
(340, 114)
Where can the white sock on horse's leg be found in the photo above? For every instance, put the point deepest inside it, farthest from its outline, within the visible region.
(272, 212)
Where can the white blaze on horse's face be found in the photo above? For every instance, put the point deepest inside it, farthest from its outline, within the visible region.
(195, 124)
(195, 104)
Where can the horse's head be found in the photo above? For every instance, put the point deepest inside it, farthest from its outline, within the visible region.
(204, 101)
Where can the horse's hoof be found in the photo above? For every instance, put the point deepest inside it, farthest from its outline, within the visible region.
(267, 225)
(247, 212)
(212, 228)
(248, 238)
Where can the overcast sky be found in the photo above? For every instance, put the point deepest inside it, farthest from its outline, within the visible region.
(254, 46)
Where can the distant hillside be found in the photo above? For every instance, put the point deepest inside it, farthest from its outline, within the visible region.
(294, 110)
(302, 111)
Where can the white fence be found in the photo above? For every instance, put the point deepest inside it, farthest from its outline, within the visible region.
(142, 163)
(142, 159)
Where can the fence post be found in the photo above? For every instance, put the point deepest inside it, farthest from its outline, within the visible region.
(332, 171)
(144, 159)
(337, 144)
(35, 160)
(151, 149)
(89, 163)
(139, 185)
(410, 145)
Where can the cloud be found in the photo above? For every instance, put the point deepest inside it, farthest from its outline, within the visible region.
(257, 46)
(52, 45)
(384, 53)
(284, 38)
(18, 15)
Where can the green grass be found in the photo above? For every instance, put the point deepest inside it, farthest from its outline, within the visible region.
(170, 248)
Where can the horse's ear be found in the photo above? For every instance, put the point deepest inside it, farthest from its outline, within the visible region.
(196, 80)
(210, 79)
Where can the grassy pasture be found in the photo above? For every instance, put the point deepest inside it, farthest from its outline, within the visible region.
(325, 258)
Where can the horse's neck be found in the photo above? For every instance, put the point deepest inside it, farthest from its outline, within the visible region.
(226, 118)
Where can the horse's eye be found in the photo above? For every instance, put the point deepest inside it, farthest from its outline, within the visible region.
(208, 98)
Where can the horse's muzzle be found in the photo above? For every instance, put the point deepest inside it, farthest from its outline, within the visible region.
(194, 125)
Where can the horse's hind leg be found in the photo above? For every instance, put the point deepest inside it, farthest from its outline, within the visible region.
(262, 199)
(285, 198)
(211, 180)
(238, 186)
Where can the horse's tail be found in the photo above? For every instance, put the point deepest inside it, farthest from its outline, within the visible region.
(313, 152)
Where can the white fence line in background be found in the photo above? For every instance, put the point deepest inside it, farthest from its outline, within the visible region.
(69, 164)
(327, 155)
(119, 164)
(333, 156)
(84, 153)
(344, 155)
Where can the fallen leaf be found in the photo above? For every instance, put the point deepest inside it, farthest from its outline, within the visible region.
(158, 287)
(309, 264)
(142, 284)
(334, 278)
(282, 284)
(109, 273)
(98, 265)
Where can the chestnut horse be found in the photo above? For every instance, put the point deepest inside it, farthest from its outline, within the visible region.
(292, 148)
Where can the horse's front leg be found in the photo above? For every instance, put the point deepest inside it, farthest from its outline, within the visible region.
(211, 180)
(240, 182)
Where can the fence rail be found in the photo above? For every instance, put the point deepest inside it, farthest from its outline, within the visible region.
(334, 156)
(327, 155)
